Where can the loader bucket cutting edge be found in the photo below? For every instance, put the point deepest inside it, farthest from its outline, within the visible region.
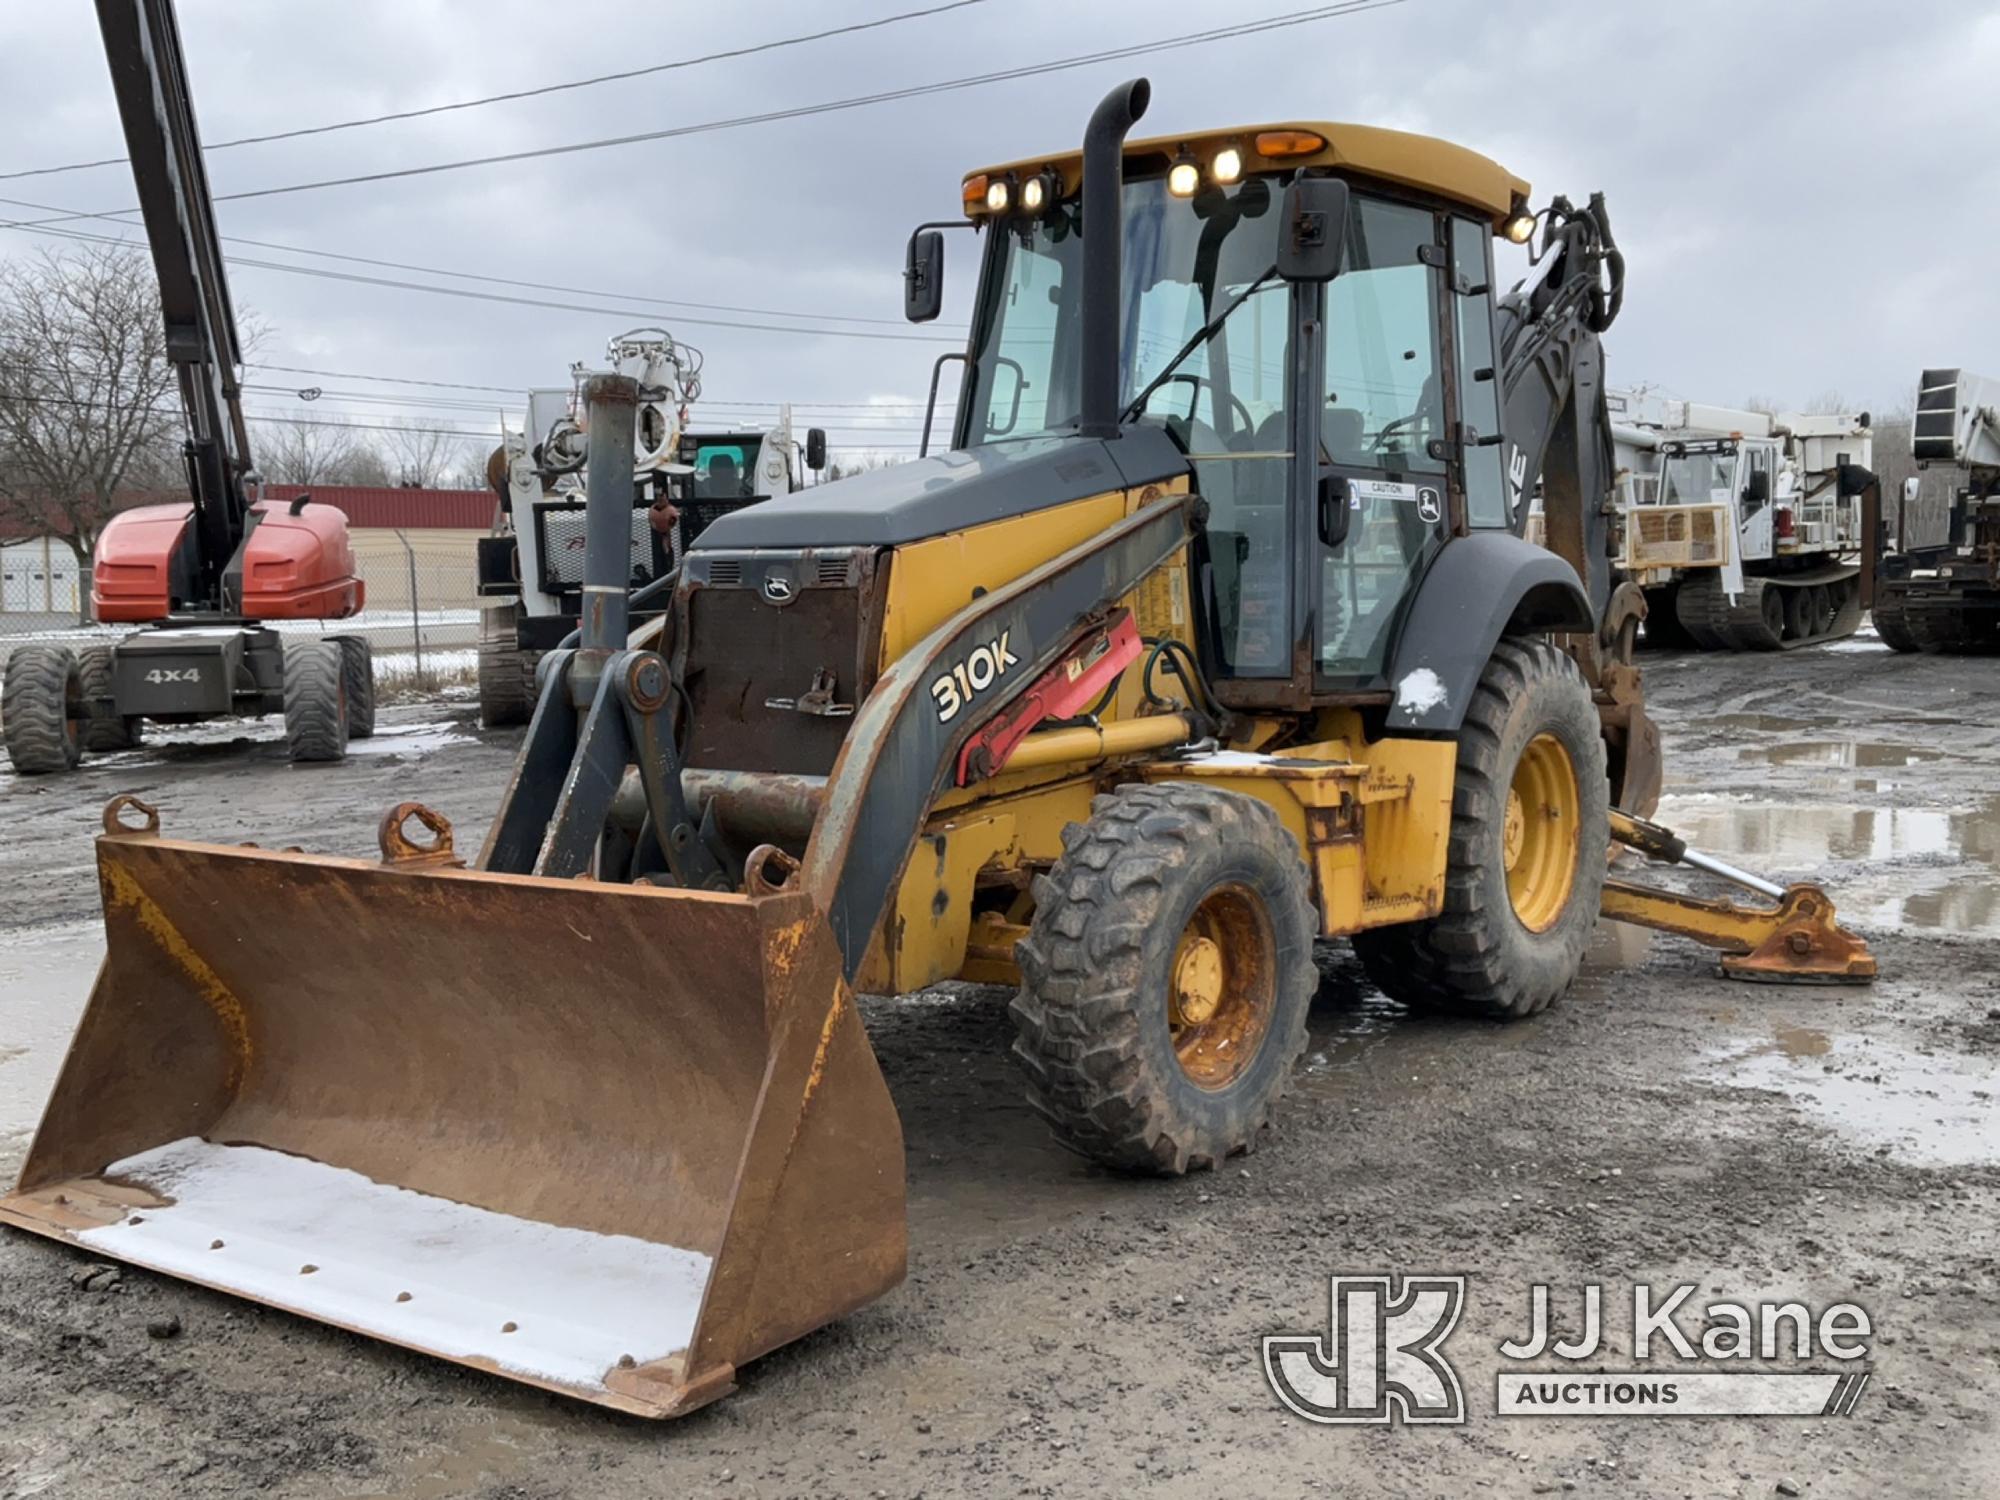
(613, 1141)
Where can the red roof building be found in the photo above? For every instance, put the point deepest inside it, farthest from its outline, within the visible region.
(402, 509)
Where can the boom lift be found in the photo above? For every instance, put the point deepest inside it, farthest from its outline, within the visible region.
(1743, 527)
(1942, 594)
(531, 567)
(1210, 636)
(206, 576)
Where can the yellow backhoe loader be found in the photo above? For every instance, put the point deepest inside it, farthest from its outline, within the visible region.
(1211, 635)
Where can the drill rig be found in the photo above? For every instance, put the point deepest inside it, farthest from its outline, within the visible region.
(207, 576)
(1212, 635)
(531, 566)
(1941, 593)
(1743, 527)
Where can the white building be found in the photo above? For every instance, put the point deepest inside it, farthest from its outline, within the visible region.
(40, 576)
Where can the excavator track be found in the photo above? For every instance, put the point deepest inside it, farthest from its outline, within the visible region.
(1936, 625)
(1771, 614)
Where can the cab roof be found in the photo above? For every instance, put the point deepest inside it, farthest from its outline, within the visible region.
(1414, 161)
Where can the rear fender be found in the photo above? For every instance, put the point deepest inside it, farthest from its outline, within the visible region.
(1481, 587)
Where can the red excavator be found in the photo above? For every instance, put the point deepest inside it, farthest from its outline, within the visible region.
(206, 576)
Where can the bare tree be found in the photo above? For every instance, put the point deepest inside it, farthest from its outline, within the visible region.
(306, 452)
(420, 456)
(86, 393)
(472, 472)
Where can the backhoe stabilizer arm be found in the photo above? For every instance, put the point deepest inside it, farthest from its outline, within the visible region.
(1798, 941)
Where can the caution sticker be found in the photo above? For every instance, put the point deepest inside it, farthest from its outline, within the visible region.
(1383, 489)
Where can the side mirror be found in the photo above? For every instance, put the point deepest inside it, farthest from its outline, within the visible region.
(923, 276)
(1313, 237)
(1336, 510)
(815, 448)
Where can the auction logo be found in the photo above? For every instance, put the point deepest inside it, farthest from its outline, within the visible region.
(1382, 1357)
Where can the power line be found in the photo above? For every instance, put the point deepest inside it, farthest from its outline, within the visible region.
(324, 274)
(515, 390)
(551, 88)
(30, 227)
(915, 91)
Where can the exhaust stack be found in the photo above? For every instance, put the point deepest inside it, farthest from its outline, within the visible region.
(1103, 251)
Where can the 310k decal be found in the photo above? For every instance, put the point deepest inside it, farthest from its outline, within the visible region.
(982, 667)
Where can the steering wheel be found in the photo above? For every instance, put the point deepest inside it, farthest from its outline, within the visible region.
(1391, 429)
(1381, 443)
(1245, 423)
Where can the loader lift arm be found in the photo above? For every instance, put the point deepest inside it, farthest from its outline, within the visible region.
(149, 76)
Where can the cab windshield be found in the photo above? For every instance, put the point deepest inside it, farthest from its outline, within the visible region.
(1185, 261)
(1698, 478)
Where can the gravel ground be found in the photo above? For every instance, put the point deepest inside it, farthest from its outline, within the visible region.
(1066, 1333)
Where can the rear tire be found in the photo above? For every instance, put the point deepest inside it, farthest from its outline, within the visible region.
(1530, 824)
(316, 701)
(357, 675)
(93, 665)
(1166, 978)
(41, 710)
(506, 672)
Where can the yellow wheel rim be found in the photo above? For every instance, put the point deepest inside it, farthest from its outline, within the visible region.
(1538, 839)
(1223, 987)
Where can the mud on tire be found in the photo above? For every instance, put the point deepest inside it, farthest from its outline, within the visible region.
(93, 665)
(41, 710)
(1095, 1013)
(357, 676)
(1478, 957)
(316, 701)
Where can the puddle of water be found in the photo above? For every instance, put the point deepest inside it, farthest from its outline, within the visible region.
(1932, 1111)
(1342, 1040)
(1937, 865)
(1799, 837)
(412, 739)
(1845, 755)
(1764, 723)
(45, 978)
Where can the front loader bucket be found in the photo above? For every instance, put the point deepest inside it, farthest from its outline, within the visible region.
(610, 1140)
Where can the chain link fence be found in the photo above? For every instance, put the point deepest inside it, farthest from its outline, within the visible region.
(420, 611)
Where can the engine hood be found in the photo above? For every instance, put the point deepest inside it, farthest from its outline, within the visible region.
(949, 492)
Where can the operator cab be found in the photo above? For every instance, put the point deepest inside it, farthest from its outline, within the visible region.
(1338, 427)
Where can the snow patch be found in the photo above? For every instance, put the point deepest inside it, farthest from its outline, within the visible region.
(1420, 691)
(1230, 758)
(577, 1300)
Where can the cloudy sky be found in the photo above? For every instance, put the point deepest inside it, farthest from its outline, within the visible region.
(1808, 191)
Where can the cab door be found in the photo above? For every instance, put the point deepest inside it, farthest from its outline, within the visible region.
(1382, 429)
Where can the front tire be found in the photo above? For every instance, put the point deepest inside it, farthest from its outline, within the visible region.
(41, 710)
(1530, 825)
(1166, 978)
(316, 701)
(357, 676)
